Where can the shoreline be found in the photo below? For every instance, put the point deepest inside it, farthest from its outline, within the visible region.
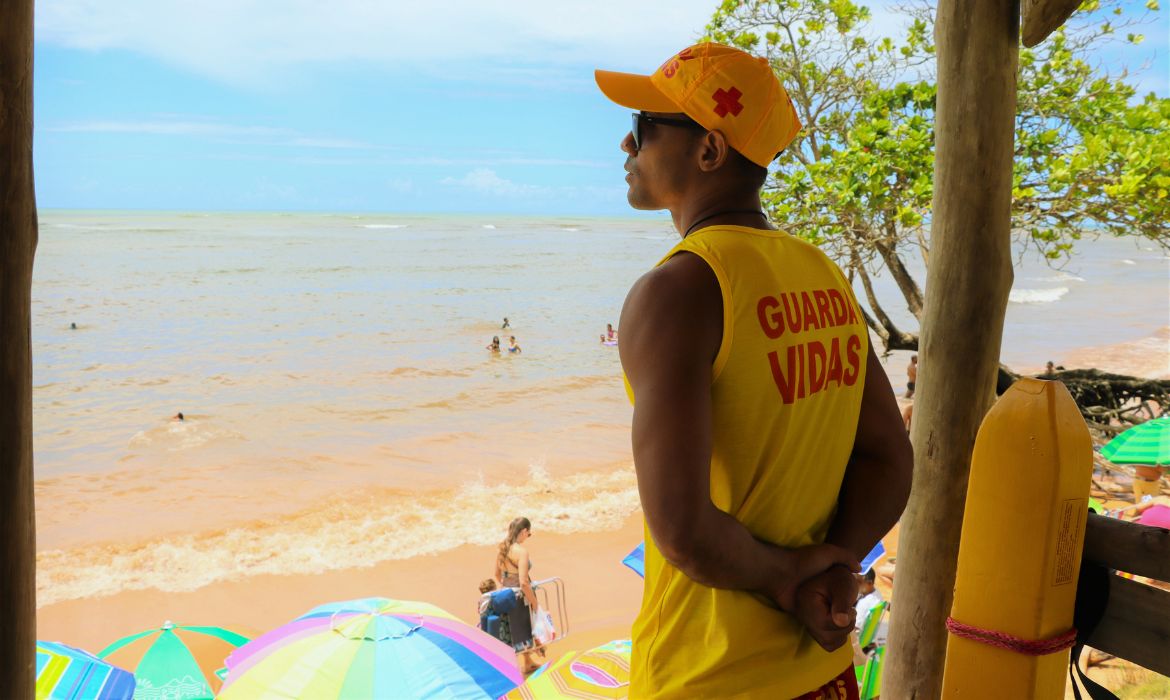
(602, 595)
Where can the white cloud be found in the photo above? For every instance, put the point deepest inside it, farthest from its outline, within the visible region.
(219, 131)
(401, 185)
(251, 40)
(486, 181)
(173, 128)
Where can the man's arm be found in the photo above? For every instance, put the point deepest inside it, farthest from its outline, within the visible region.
(872, 497)
(672, 327)
(877, 478)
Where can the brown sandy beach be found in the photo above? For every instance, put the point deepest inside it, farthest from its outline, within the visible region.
(602, 594)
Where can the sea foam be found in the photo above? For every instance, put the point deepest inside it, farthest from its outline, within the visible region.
(1037, 296)
(356, 532)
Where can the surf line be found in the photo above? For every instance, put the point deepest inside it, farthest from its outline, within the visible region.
(810, 367)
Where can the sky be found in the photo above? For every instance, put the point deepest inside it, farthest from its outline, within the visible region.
(463, 106)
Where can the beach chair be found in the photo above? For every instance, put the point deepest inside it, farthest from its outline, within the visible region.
(550, 595)
(869, 627)
(869, 673)
(870, 683)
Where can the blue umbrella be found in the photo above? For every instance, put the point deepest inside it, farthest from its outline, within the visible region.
(67, 673)
(636, 559)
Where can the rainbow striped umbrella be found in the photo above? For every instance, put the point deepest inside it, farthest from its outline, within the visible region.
(373, 648)
(68, 673)
(1144, 443)
(602, 672)
(175, 662)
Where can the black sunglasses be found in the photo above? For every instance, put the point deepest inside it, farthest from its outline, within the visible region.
(641, 118)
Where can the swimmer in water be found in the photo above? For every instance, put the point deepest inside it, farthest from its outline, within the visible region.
(494, 346)
(512, 346)
(506, 325)
(178, 416)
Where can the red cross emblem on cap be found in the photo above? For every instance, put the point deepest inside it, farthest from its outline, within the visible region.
(728, 101)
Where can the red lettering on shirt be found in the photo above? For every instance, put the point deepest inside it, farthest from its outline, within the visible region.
(825, 316)
(785, 383)
(810, 314)
(834, 372)
(771, 321)
(816, 366)
(838, 304)
(853, 354)
(792, 312)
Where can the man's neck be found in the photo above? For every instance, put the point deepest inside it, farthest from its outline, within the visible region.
(723, 211)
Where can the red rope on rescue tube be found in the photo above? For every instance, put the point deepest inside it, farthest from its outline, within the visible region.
(1002, 640)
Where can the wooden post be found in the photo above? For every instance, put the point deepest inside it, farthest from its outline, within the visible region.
(967, 288)
(18, 240)
(1042, 17)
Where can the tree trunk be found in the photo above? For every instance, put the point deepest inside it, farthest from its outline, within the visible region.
(18, 240)
(967, 288)
(902, 278)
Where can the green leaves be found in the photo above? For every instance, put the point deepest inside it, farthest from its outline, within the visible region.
(1089, 155)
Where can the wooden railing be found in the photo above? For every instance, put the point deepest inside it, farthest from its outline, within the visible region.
(1136, 623)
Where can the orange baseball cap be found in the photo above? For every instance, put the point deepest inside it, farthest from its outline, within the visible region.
(719, 87)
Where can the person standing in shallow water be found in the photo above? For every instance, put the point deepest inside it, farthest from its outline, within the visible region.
(768, 446)
(513, 570)
(494, 346)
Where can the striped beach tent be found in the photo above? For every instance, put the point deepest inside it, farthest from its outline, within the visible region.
(68, 673)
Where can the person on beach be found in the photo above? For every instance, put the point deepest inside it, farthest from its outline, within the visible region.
(911, 376)
(768, 447)
(512, 346)
(494, 346)
(868, 598)
(513, 567)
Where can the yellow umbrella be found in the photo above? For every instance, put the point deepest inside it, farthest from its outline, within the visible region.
(601, 672)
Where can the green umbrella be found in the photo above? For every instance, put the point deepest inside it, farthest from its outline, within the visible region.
(176, 662)
(1144, 443)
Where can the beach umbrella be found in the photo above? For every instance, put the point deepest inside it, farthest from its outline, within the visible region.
(373, 648)
(68, 673)
(176, 662)
(636, 559)
(1144, 443)
(601, 672)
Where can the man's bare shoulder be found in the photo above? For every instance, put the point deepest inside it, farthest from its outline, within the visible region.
(685, 277)
(676, 305)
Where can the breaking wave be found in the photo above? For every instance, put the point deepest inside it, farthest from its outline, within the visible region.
(357, 532)
(1037, 296)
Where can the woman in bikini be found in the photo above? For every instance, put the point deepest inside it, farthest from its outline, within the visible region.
(512, 570)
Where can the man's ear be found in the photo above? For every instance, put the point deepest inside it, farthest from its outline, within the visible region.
(713, 151)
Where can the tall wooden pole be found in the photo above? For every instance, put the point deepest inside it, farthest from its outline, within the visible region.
(967, 287)
(18, 242)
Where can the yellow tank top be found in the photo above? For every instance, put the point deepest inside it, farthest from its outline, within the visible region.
(786, 390)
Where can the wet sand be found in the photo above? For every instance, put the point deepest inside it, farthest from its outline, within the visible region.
(602, 594)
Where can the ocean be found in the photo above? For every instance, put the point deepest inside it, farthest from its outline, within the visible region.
(340, 406)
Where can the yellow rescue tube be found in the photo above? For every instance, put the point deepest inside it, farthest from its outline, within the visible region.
(1020, 552)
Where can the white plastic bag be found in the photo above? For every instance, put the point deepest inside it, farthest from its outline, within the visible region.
(542, 627)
